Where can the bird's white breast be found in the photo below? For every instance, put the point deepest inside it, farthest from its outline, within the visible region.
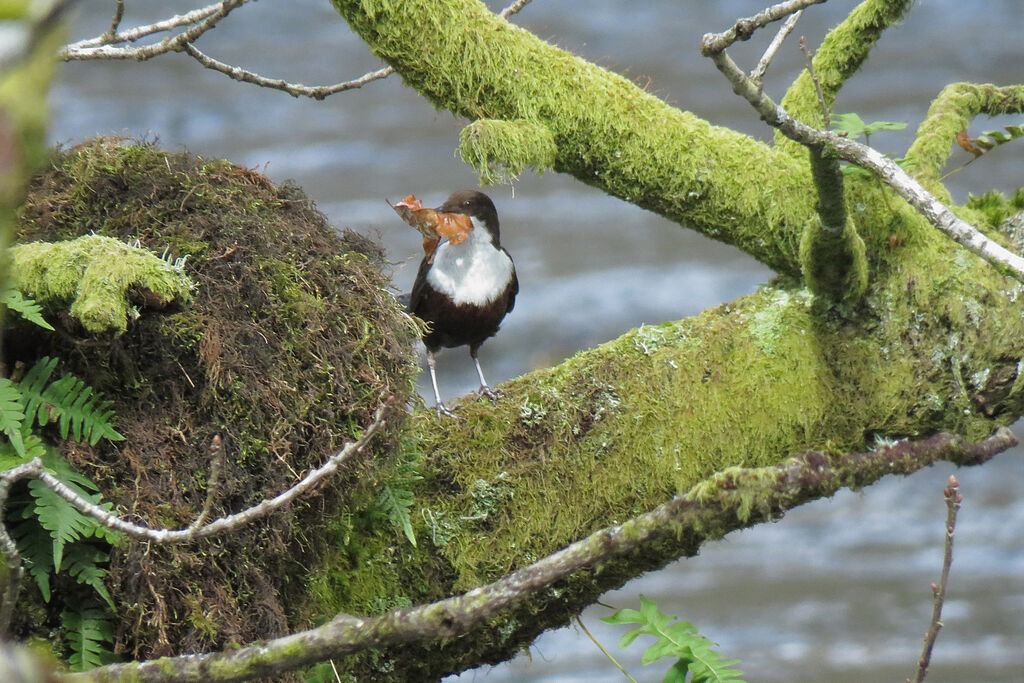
(472, 272)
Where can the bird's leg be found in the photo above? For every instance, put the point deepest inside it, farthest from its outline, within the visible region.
(440, 407)
(484, 389)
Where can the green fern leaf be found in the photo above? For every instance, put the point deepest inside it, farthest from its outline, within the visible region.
(28, 308)
(34, 448)
(681, 640)
(32, 386)
(69, 400)
(86, 631)
(36, 549)
(81, 562)
(12, 415)
(396, 502)
(62, 519)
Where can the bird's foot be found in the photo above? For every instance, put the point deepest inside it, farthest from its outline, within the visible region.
(442, 409)
(492, 394)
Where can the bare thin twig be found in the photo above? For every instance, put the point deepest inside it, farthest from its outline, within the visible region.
(318, 92)
(100, 47)
(111, 35)
(809, 59)
(513, 8)
(769, 54)
(212, 481)
(105, 50)
(744, 28)
(953, 499)
(35, 469)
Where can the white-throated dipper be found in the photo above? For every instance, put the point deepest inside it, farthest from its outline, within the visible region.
(465, 290)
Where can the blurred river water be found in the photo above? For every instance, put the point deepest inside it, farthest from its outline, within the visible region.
(839, 589)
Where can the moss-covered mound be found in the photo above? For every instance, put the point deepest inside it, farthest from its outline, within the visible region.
(288, 347)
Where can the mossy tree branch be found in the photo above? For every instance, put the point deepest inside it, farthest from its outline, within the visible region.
(950, 114)
(608, 132)
(730, 500)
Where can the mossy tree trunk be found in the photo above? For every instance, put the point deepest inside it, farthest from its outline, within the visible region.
(933, 345)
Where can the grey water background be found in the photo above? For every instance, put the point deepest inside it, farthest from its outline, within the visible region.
(836, 591)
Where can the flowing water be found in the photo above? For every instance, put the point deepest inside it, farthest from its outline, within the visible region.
(838, 590)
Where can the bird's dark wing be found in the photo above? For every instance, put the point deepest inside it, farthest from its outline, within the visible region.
(418, 287)
(513, 287)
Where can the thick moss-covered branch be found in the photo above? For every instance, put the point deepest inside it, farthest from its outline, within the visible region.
(730, 500)
(950, 114)
(608, 132)
(99, 277)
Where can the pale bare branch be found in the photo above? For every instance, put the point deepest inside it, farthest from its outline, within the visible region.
(102, 47)
(318, 92)
(35, 469)
(769, 54)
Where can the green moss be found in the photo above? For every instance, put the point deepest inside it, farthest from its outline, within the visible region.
(501, 150)
(99, 276)
(841, 54)
(833, 262)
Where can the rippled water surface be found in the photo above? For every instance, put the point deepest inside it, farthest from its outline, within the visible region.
(838, 590)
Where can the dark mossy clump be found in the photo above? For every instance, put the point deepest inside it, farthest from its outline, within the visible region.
(290, 344)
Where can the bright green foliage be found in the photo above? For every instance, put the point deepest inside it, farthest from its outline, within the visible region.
(12, 414)
(29, 309)
(853, 125)
(86, 631)
(52, 525)
(396, 497)
(68, 400)
(680, 640)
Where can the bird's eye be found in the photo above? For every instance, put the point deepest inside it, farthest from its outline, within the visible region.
(465, 203)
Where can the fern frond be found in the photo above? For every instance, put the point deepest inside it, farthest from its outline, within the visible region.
(12, 415)
(81, 562)
(62, 519)
(32, 386)
(680, 639)
(86, 631)
(397, 502)
(36, 550)
(28, 308)
(70, 401)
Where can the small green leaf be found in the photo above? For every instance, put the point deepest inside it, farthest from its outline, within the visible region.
(12, 414)
(28, 308)
(397, 502)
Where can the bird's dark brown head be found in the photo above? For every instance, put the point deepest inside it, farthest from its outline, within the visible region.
(476, 204)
